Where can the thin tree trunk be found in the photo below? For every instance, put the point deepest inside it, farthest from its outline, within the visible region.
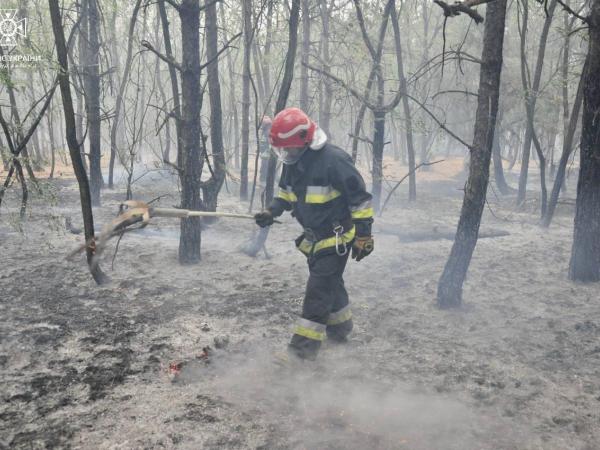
(501, 183)
(305, 50)
(325, 103)
(52, 139)
(410, 146)
(566, 153)
(114, 132)
(166, 149)
(531, 92)
(258, 78)
(450, 285)
(212, 187)
(92, 83)
(82, 180)
(233, 111)
(164, 20)
(82, 43)
(247, 14)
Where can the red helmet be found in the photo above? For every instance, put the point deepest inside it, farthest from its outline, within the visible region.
(292, 128)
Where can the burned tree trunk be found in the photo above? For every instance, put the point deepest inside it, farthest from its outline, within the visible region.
(82, 179)
(191, 164)
(410, 146)
(164, 20)
(247, 14)
(566, 153)
(585, 253)
(501, 183)
(79, 92)
(450, 285)
(92, 89)
(531, 93)
(378, 144)
(211, 188)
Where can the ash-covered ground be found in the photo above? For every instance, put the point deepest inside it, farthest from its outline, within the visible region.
(83, 366)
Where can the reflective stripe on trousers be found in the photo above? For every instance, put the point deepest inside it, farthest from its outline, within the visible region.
(325, 300)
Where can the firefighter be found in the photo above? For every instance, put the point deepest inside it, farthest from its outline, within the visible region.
(328, 197)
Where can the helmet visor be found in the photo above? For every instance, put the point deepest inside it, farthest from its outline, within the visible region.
(289, 155)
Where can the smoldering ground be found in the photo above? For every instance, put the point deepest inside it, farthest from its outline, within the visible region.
(83, 366)
(339, 403)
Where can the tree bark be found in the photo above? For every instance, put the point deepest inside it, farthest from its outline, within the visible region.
(92, 84)
(585, 253)
(211, 188)
(566, 153)
(449, 292)
(410, 146)
(531, 93)
(233, 110)
(164, 20)
(76, 160)
(82, 40)
(501, 183)
(191, 164)
(247, 14)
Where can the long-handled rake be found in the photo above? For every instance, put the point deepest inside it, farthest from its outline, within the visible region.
(136, 214)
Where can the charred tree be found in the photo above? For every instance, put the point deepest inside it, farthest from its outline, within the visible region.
(82, 42)
(247, 15)
(92, 91)
(191, 163)
(211, 187)
(499, 178)
(449, 292)
(82, 179)
(566, 153)
(531, 89)
(585, 253)
(176, 112)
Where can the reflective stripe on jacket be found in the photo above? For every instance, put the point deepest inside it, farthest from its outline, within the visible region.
(323, 190)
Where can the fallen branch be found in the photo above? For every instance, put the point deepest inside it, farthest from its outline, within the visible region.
(435, 234)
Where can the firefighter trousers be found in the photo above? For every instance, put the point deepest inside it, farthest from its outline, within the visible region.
(326, 309)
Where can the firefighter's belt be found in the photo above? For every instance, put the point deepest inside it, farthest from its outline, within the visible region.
(309, 247)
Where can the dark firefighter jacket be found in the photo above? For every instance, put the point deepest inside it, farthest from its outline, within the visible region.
(325, 191)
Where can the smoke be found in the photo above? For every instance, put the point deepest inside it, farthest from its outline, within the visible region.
(339, 405)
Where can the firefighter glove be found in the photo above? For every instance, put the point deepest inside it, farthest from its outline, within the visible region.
(264, 219)
(361, 247)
